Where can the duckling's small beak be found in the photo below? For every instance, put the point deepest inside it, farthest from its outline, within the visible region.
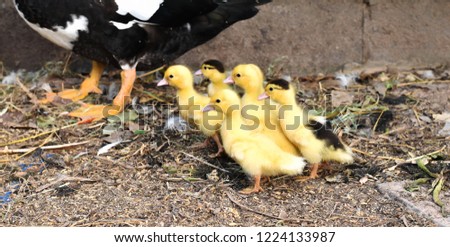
(162, 82)
(263, 96)
(229, 80)
(198, 72)
(208, 108)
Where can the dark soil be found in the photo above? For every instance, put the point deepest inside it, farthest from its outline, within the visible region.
(154, 177)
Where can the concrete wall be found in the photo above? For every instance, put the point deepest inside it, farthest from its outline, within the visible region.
(308, 35)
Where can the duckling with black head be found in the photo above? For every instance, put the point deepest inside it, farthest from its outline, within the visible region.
(314, 139)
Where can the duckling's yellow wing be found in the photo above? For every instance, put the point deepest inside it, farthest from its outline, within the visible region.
(343, 156)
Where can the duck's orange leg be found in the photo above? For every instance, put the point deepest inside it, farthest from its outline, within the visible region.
(256, 188)
(89, 85)
(220, 148)
(98, 112)
(312, 175)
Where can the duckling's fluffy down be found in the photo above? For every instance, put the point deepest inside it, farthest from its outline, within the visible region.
(261, 156)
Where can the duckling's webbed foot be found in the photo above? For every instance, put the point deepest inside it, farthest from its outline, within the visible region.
(218, 154)
(256, 188)
(220, 148)
(202, 145)
(312, 175)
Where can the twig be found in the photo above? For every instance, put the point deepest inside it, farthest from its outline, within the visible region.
(421, 82)
(183, 180)
(416, 158)
(352, 216)
(419, 122)
(361, 152)
(262, 213)
(33, 149)
(405, 221)
(64, 178)
(38, 135)
(149, 94)
(151, 72)
(25, 150)
(388, 158)
(425, 155)
(128, 222)
(204, 162)
(17, 108)
(33, 97)
(66, 64)
(376, 123)
(394, 131)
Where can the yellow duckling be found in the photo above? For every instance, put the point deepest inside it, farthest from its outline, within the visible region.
(259, 114)
(254, 151)
(191, 103)
(315, 141)
(214, 71)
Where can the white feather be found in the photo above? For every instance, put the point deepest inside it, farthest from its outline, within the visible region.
(176, 123)
(63, 36)
(105, 149)
(11, 78)
(346, 79)
(320, 119)
(142, 10)
(122, 26)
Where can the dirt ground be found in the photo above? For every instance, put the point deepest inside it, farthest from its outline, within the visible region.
(393, 118)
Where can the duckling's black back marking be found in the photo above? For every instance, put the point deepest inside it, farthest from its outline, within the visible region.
(323, 132)
(216, 64)
(283, 84)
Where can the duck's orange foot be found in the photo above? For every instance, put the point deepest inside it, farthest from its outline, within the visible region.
(256, 188)
(89, 85)
(96, 112)
(75, 94)
(49, 97)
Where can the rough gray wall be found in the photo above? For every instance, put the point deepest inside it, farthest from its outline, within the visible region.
(310, 35)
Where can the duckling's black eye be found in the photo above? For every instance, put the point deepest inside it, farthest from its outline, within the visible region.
(170, 76)
(271, 89)
(218, 101)
(205, 68)
(238, 75)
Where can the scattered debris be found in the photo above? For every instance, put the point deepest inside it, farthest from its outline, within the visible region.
(341, 98)
(6, 198)
(154, 180)
(414, 201)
